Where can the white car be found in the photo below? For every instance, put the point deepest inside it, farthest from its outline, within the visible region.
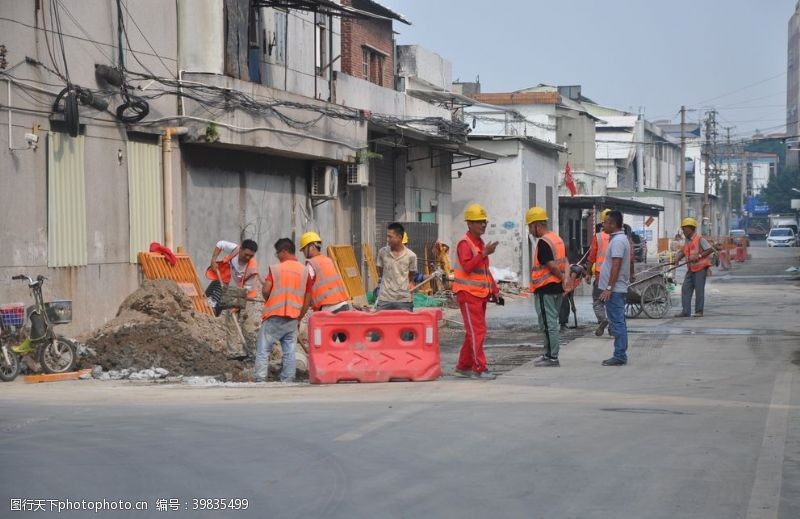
(781, 237)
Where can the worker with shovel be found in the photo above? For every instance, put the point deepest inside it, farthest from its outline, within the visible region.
(238, 268)
(325, 289)
(284, 293)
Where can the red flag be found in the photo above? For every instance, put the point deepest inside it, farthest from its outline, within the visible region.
(569, 181)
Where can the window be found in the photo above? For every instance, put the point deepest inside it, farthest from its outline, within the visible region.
(322, 44)
(373, 65)
(549, 202)
(145, 198)
(279, 37)
(66, 202)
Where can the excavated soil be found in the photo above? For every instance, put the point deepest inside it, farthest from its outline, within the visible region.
(158, 326)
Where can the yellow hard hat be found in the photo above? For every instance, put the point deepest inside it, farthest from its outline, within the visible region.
(307, 238)
(604, 213)
(689, 222)
(535, 214)
(405, 238)
(475, 213)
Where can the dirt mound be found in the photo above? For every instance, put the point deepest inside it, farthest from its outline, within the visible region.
(157, 326)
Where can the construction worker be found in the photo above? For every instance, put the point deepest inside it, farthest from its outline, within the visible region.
(237, 269)
(397, 266)
(284, 292)
(696, 250)
(594, 262)
(614, 280)
(549, 282)
(325, 290)
(474, 286)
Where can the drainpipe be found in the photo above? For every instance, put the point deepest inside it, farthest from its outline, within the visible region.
(166, 160)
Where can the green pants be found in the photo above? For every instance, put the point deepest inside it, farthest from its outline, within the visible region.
(547, 306)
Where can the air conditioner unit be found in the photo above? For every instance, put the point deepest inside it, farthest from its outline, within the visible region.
(325, 182)
(358, 175)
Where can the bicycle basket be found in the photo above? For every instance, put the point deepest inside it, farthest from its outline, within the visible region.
(59, 311)
(13, 314)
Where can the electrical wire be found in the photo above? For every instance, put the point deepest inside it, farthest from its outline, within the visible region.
(130, 48)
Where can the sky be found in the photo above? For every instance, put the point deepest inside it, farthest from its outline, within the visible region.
(635, 55)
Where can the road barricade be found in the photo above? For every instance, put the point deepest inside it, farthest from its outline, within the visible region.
(724, 260)
(741, 254)
(380, 347)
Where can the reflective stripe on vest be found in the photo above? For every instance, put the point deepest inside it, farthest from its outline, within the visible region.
(288, 290)
(693, 247)
(478, 282)
(540, 274)
(328, 287)
(603, 240)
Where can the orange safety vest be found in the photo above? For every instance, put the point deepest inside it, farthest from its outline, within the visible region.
(328, 287)
(693, 247)
(540, 274)
(224, 266)
(288, 290)
(603, 240)
(478, 282)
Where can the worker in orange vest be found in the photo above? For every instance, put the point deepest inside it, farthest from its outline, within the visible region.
(284, 293)
(594, 262)
(696, 250)
(549, 282)
(325, 290)
(238, 268)
(474, 286)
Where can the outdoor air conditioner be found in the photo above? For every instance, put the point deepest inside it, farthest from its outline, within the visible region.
(357, 175)
(324, 182)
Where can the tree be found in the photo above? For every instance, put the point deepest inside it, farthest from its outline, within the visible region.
(778, 193)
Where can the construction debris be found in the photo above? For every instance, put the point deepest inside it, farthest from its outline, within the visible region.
(158, 331)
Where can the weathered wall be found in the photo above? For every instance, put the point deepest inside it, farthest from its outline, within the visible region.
(370, 32)
(424, 66)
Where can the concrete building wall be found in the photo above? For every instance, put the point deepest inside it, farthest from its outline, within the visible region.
(793, 80)
(431, 187)
(577, 131)
(424, 67)
(377, 34)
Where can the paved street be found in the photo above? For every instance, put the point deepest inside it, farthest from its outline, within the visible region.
(703, 422)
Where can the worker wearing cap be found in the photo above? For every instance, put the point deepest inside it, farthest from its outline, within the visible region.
(325, 290)
(284, 292)
(549, 282)
(696, 250)
(474, 286)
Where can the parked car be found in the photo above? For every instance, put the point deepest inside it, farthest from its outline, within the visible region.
(781, 237)
(739, 237)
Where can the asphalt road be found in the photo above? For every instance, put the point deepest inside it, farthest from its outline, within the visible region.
(703, 423)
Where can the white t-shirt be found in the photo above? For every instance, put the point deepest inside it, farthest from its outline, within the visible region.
(238, 269)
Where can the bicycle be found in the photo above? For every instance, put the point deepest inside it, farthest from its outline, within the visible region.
(55, 354)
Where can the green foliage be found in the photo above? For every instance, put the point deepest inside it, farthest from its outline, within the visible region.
(778, 193)
(366, 155)
(212, 134)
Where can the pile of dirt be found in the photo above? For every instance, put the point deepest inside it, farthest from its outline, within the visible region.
(157, 326)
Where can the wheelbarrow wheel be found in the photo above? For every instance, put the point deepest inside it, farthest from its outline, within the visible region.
(632, 310)
(655, 301)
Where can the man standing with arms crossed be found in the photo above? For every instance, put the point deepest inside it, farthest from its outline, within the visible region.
(614, 280)
(284, 292)
(696, 250)
(474, 287)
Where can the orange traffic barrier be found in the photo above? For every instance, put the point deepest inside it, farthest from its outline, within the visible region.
(380, 347)
(55, 377)
(741, 254)
(155, 266)
(724, 260)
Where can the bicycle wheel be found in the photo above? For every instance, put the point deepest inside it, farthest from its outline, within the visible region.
(9, 370)
(655, 301)
(58, 355)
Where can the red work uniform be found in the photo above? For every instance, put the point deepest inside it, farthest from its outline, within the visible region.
(473, 284)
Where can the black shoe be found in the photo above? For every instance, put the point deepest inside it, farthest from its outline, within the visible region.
(601, 327)
(546, 362)
(682, 314)
(698, 314)
(484, 375)
(613, 361)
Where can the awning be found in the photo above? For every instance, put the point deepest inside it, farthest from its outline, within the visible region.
(450, 99)
(605, 202)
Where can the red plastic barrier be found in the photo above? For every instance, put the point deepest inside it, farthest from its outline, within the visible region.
(724, 260)
(741, 254)
(380, 347)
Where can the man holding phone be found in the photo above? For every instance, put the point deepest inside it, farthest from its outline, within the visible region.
(474, 286)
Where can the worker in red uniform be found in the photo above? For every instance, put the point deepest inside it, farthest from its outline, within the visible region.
(474, 286)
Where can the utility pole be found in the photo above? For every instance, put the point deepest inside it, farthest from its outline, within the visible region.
(682, 171)
(728, 152)
(743, 168)
(711, 129)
